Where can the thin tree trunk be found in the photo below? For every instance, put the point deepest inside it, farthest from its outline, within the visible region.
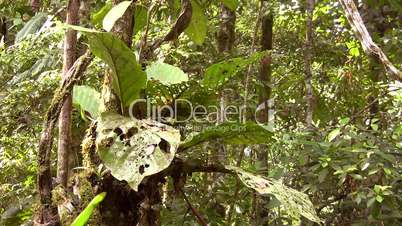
(369, 47)
(35, 6)
(64, 144)
(3, 29)
(264, 94)
(307, 63)
(226, 35)
(47, 212)
(225, 38)
(265, 67)
(245, 115)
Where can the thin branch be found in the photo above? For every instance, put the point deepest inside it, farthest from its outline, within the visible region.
(197, 215)
(144, 39)
(192, 166)
(179, 26)
(237, 189)
(252, 50)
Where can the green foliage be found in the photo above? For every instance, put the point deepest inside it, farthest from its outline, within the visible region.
(220, 73)
(84, 216)
(197, 29)
(31, 27)
(295, 202)
(165, 73)
(133, 149)
(29, 73)
(140, 17)
(88, 99)
(231, 4)
(231, 133)
(114, 14)
(97, 17)
(348, 164)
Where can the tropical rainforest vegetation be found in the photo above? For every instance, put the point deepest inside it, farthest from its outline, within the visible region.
(200, 112)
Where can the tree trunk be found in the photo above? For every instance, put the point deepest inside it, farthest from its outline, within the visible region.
(3, 29)
(64, 144)
(226, 34)
(47, 212)
(35, 6)
(264, 94)
(307, 64)
(122, 205)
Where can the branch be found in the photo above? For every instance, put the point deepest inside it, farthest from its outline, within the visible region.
(199, 217)
(35, 6)
(189, 166)
(46, 214)
(369, 47)
(180, 25)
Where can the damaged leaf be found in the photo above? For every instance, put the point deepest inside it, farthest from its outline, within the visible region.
(295, 202)
(230, 133)
(133, 149)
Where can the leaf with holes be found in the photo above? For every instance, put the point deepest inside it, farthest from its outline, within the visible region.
(133, 149)
(197, 29)
(296, 203)
(88, 99)
(231, 133)
(165, 73)
(218, 74)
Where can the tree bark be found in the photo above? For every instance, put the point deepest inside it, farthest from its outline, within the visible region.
(308, 52)
(264, 94)
(265, 73)
(35, 6)
(64, 144)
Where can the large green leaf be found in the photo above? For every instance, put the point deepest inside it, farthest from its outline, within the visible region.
(231, 133)
(32, 26)
(88, 99)
(97, 17)
(128, 77)
(140, 17)
(133, 149)
(296, 203)
(114, 14)
(220, 73)
(197, 29)
(231, 4)
(84, 216)
(165, 73)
